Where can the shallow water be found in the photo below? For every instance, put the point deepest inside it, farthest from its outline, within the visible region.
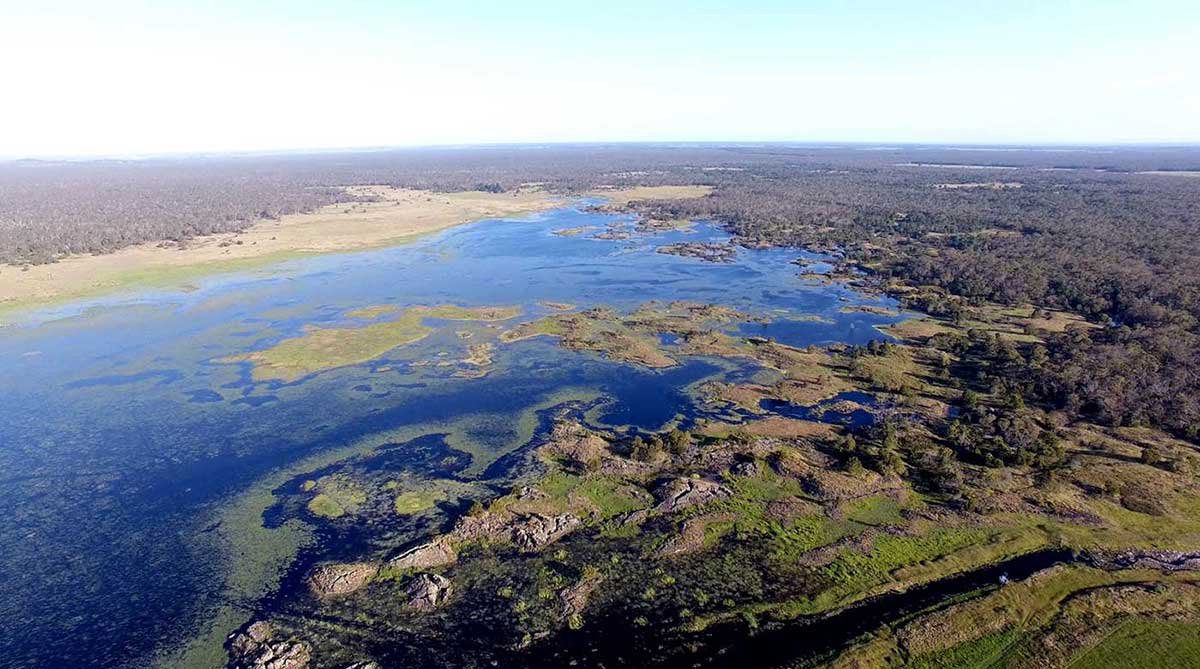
(121, 437)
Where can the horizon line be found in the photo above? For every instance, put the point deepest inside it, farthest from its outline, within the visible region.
(809, 144)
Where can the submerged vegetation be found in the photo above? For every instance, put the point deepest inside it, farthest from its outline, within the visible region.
(695, 535)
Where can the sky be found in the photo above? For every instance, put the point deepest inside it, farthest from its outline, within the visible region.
(125, 77)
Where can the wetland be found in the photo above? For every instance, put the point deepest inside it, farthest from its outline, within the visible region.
(154, 437)
(574, 437)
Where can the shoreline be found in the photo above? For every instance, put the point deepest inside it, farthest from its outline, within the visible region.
(398, 216)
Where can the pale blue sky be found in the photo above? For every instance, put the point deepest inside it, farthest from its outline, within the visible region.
(146, 77)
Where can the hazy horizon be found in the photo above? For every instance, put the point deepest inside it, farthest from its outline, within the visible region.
(998, 147)
(142, 79)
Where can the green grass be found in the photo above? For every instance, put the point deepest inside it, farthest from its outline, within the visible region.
(608, 495)
(807, 533)
(611, 498)
(854, 574)
(985, 652)
(551, 326)
(150, 277)
(1145, 644)
(875, 510)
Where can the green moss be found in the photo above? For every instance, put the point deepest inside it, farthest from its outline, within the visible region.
(416, 501)
(325, 506)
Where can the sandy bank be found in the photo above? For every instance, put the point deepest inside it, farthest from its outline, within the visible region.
(397, 216)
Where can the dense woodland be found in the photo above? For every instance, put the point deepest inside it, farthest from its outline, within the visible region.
(1083, 230)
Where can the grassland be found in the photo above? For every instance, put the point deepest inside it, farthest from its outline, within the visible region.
(1065, 616)
(620, 197)
(321, 349)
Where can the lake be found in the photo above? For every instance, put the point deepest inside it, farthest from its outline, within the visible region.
(136, 467)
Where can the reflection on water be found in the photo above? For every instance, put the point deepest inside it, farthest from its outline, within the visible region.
(120, 434)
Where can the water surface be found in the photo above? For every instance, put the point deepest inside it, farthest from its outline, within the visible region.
(122, 438)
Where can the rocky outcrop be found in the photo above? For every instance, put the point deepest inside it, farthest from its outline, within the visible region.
(683, 493)
(575, 598)
(487, 526)
(529, 531)
(1144, 559)
(435, 553)
(427, 591)
(575, 444)
(331, 580)
(253, 648)
(691, 537)
(718, 253)
(536, 530)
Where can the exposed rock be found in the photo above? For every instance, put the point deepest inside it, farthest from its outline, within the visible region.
(253, 649)
(633, 518)
(747, 468)
(719, 253)
(244, 643)
(575, 598)
(572, 442)
(683, 493)
(529, 531)
(790, 508)
(433, 553)
(536, 530)
(831, 485)
(367, 664)
(691, 537)
(331, 580)
(427, 591)
(1144, 559)
(487, 526)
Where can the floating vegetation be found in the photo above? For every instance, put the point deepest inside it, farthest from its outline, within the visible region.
(320, 349)
(634, 338)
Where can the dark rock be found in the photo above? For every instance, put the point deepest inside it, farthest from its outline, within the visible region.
(1144, 559)
(427, 591)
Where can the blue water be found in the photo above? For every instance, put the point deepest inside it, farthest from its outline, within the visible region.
(120, 433)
